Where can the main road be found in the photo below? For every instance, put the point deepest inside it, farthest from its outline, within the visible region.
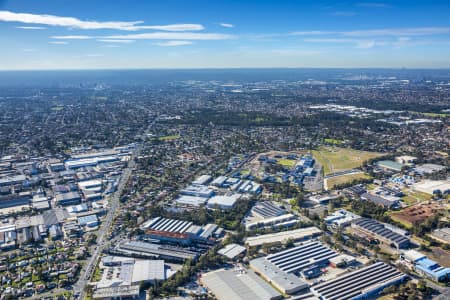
(114, 204)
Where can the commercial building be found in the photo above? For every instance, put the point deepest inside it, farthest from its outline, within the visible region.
(287, 283)
(382, 232)
(155, 251)
(427, 267)
(441, 235)
(238, 284)
(282, 237)
(432, 187)
(298, 259)
(69, 198)
(405, 159)
(223, 201)
(198, 191)
(427, 169)
(341, 218)
(360, 284)
(390, 165)
(202, 180)
(382, 200)
(267, 214)
(88, 221)
(180, 232)
(190, 201)
(232, 250)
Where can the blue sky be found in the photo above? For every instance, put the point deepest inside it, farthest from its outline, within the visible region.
(99, 34)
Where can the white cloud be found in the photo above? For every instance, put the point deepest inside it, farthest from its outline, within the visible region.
(373, 5)
(58, 43)
(31, 27)
(28, 50)
(359, 43)
(116, 41)
(227, 25)
(72, 37)
(172, 36)
(94, 55)
(394, 32)
(71, 22)
(174, 43)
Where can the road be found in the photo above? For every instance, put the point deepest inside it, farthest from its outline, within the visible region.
(114, 204)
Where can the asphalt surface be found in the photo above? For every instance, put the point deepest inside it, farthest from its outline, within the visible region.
(114, 204)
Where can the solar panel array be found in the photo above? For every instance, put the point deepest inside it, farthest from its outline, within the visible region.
(379, 229)
(169, 225)
(296, 259)
(355, 284)
(267, 210)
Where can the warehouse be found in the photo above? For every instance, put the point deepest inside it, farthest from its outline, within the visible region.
(69, 198)
(202, 180)
(381, 232)
(297, 259)
(360, 284)
(341, 218)
(268, 214)
(433, 186)
(390, 165)
(90, 221)
(282, 237)
(285, 282)
(144, 249)
(238, 284)
(190, 201)
(232, 250)
(223, 201)
(198, 191)
(180, 232)
(382, 200)
(427, 267)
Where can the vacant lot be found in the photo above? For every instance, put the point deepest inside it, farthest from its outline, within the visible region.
(288, 163)
(335, 159)
(332, 182)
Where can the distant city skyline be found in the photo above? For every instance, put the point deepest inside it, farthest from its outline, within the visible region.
(99, 34)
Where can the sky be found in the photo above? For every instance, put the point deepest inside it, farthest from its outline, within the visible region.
(129, 34)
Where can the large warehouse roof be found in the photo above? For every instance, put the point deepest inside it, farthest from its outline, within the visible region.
(357, 284)
(298, 258)
(281, 237)
(238, 285)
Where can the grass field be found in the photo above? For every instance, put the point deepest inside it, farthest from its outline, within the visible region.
(402, 221)
(168, 138)
(414, 197)
(333, 141)
(335, 159)
(332, 182)
(289, 163)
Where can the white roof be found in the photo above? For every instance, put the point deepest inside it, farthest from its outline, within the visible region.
(282, 236)
(148, 270)
(232, 250)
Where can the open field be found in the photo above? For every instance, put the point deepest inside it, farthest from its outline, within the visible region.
(168, 138)
(414, 197)
(334, 159)
(417, 213)
(333, 141)
(288, 163)
(332, 182)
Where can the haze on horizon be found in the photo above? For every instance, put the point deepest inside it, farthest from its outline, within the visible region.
(223, 34)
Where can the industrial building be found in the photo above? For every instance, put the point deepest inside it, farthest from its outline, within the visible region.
(180, 232)
(223, 201)
(69, 198)
(190, 201)
(298, 259)
(155, 251)
(341, 218)
(360, 284)
(427, 267)
(382, 232)
(267, 214)
(198, 191)
(282, 237)
(387, 201)
(232, 250)
(433, 186)
(427, 169)
(390, 165)
(238, 284)
(287, 283)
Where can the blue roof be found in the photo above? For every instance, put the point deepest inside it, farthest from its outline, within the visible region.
(432, 268)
